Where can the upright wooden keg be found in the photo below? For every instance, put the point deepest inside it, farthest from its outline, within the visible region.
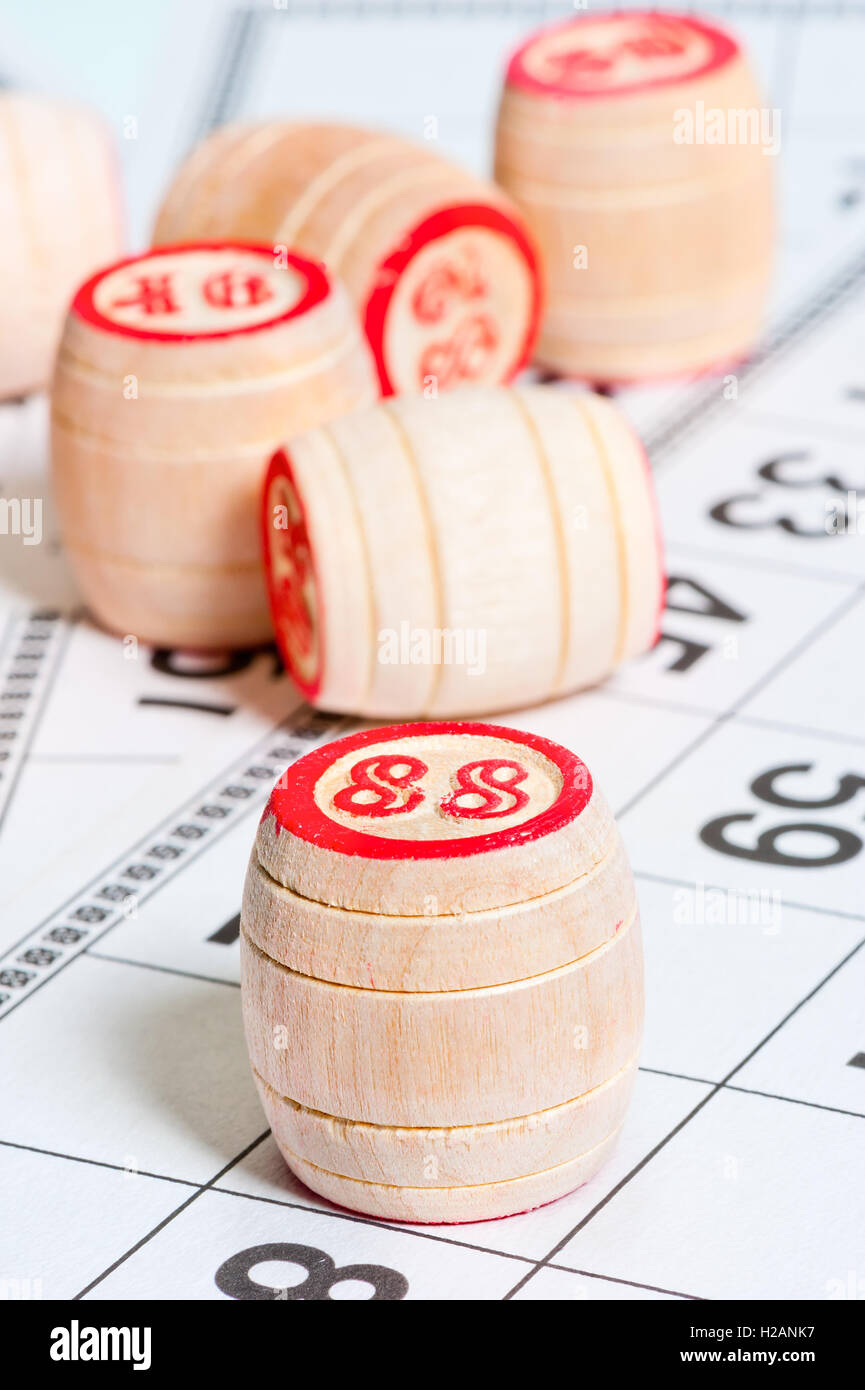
(177, 372)
(486, 550)
(437, 262)
(636, 145)
(441, 971)
(60, 218)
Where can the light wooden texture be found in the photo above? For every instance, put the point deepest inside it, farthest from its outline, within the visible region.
(421, 1156)
(328, 836)
(478, 552)
(442, 1205)
(437, 262)
(453, 1057)
(60, 217)
(678, 236)
(164, 412)
(417, 1060)
(447, 950)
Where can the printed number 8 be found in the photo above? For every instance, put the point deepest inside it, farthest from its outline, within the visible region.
(386, 785)
(234, 1279)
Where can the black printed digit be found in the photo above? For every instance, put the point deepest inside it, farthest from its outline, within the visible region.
(708, 605)
(213, 666)
(233, 1277)
(689, 652)
(210, 667)
(843, 844)
(703, 603)
(765, 849)
(764, 787)
(228, 933)
(775, 471)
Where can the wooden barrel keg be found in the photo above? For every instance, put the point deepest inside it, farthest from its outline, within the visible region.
(178, 370)
(637, 147)
(437, 262)
(441, 971)
(486, 550)
(60, 218)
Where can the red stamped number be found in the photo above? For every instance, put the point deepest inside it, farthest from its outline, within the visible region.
(229, 289)
(386, 784)
(464, 354)
(395, 774)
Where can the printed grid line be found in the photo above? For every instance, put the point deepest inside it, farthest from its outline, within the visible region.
(677, 1128)
(6, 637)
(455, 1240)
(796, 650)
(670, 435)
(825, 624)
(758, 563)
(156, 858)
(172, 1216)
(437, 1235)
(785, 65)
(375, 11)
(720, 720)
(748, 720)
(547, 1261)
(680, 758)
(45, 957)
(834, 433)
(661, 442)
(796, 906)
(353, 1218)
(704, 404)
(162, 969)
(94, 1162)
(798, 1100)
(242, 53)
(34, 647)
(235, 55)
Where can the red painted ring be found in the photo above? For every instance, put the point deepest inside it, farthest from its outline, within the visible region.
(724, 49)
(318, 287)
(280, 466)
(438, 224)
(293, 807)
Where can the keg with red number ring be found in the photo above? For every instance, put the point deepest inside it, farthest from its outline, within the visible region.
(442, 972)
